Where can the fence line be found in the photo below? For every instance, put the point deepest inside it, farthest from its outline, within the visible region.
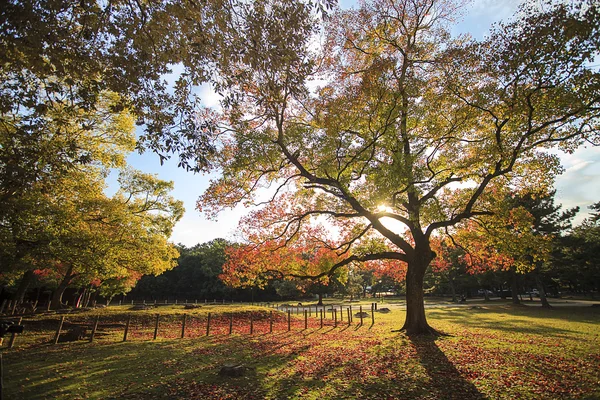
(266, 323)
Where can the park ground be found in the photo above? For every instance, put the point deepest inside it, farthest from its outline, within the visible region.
(489, 351)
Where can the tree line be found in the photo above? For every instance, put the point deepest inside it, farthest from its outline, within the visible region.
(566, 262)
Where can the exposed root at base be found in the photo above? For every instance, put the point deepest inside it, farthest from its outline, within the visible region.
(428, 331)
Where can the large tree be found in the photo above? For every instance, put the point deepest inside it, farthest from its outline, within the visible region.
(43, 170)
(101, 239)
(411, 125)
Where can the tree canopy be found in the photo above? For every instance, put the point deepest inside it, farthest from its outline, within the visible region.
(409, 124)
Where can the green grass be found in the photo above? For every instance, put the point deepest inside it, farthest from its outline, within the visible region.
(495, 352)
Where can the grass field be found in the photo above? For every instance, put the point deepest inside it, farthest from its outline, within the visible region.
(491, 351)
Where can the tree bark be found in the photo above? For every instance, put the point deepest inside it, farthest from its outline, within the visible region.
(58, 293)
(26, 280)
(416, 322)
(320, 302)
(541, 289)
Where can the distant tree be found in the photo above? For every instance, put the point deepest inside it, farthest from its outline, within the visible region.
(358, 281)
(549, 222)
(195, 276)
(576, 260)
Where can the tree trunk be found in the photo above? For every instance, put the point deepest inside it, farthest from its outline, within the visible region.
(58, 293)
(26, 280)
(320, 302)
(87, 298)
(416, 322)
(515, 289)
(92, 298)
(452, 288)
(542, 290)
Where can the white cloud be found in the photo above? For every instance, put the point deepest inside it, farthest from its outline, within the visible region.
(579, 185)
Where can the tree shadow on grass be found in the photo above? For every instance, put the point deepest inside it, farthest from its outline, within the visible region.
(446, 381)
(518, 320)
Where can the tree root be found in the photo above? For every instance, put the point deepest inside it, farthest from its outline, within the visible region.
(427, 332)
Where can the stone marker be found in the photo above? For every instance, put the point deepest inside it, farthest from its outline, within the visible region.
(233, 370)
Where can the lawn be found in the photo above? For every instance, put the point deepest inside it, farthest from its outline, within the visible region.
(494, 351)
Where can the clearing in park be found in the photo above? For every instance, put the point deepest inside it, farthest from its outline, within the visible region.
(492, 351)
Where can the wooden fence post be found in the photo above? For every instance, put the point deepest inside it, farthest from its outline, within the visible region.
(305, 319)
(183, 326)
(335, 318)
(361, 316)
(156, 326)
(349, 317)
(289, 321)
(127, 328)
(60, 324)
(341, 313)
(230, 323)
(94, 328)
(11, 342)
(373, 316)
(271, 322)
(208, 325)
(321, 318)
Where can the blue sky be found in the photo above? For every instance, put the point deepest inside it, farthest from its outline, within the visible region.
(577, 186)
